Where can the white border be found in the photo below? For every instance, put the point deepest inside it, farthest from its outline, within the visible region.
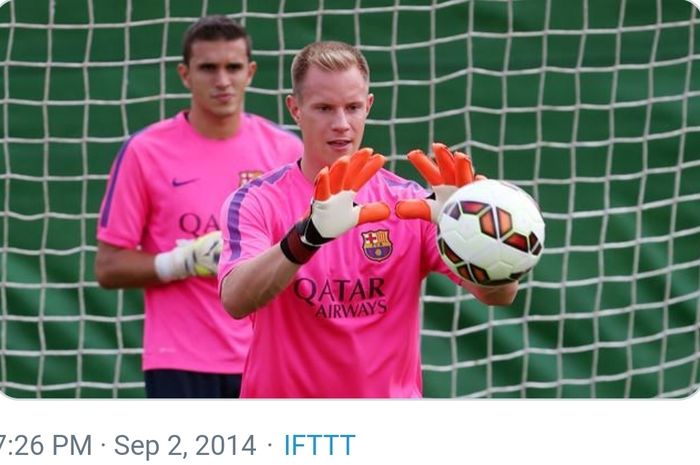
(441, 432)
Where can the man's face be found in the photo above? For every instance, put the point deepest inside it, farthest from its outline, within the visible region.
(217, 76)
(331, 111)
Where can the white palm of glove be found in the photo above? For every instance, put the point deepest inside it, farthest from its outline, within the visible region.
(191, 257)
(336, 215)
(201, 255)
(442, 194)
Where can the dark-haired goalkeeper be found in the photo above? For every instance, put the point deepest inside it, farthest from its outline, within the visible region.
(158, 226)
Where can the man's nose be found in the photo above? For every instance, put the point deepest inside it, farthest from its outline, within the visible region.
(340, 120)
(221, 78)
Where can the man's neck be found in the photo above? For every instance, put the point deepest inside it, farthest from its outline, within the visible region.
(309, 169)
(213, 127)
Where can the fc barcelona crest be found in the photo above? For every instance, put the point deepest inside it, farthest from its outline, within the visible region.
(376, 245)
(247, 176)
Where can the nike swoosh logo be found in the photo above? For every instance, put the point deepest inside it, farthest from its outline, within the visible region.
(177, 183)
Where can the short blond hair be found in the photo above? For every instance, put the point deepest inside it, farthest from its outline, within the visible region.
(329, 56)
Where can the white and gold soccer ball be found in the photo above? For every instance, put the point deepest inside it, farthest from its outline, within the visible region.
(491, 232)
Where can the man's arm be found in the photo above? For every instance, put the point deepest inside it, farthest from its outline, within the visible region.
(451, 172)
(254, 282)
(493, 295)
(117, 267)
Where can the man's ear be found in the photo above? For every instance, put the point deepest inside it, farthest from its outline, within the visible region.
(293, 107)
(370, 102)
(252, 68)
(184, 71)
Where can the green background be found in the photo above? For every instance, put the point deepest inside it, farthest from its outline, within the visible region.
(592, 106)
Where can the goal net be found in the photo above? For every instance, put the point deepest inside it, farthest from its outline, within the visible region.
(592, 106)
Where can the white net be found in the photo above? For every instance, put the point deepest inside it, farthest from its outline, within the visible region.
(590, 105)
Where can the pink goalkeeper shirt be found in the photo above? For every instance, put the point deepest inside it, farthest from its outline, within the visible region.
(168, 183)
(348, 324)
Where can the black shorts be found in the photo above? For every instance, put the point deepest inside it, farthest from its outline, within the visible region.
(179, 384)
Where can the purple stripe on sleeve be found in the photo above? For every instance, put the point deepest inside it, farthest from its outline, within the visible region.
(237, 201)
(104, 217)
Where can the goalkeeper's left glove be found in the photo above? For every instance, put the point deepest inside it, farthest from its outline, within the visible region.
(333, 210)
(451, 172)
(191, 257)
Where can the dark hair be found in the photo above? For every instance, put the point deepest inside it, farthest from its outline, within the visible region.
(211, 28)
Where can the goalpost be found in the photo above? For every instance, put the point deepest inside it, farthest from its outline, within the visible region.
(592, 106)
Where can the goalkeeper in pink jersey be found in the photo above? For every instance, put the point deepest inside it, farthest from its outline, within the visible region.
(333, 289)
(158, 226)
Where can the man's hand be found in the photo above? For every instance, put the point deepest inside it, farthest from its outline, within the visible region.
(333, 210)
(450, 173)
(202, 254)
(191, 257)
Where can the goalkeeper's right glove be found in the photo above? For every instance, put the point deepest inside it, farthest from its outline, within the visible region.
(333, 210)
(191, 257)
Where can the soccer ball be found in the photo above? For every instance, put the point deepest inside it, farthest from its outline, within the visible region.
(490, 232)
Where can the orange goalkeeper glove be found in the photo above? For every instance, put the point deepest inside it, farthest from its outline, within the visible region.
(450, 173)
(333, 210)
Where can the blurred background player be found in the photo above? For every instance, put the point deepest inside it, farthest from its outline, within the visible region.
(158, 225)
(335, 299)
